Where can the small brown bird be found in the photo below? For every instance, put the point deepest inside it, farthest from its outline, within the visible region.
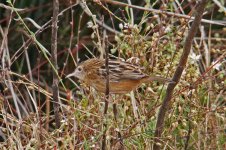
(123, 76)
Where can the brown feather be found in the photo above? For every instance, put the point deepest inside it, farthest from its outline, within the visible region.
(123, 76)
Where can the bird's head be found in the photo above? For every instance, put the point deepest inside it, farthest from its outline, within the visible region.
(78, 73)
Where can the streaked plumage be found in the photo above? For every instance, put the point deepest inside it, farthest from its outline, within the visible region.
(123, 76)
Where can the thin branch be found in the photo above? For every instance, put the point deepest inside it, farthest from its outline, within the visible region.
(164, 12)
(54, 61)
(6, 65)
(106, 95)
(131, 13)
(89, 13)
(177, 75)
(10, 8)
(188, 118)
(220, 5)
(30, 74)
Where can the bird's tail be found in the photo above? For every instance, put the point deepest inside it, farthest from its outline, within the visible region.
(159, 79)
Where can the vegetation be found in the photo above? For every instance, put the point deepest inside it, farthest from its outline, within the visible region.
(151, 34)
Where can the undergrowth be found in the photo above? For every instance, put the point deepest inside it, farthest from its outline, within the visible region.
(152, 40)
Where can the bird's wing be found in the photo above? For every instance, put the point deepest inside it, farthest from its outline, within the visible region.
(119, 70)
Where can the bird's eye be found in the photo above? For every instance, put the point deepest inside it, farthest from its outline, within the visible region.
(79, 69)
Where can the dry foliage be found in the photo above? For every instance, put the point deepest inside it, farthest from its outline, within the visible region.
(150, 34)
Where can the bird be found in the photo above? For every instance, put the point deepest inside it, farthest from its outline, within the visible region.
(124, 77)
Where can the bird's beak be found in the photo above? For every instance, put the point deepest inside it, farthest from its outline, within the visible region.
(70, 75)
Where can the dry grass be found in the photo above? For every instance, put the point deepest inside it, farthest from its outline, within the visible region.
(196, 118)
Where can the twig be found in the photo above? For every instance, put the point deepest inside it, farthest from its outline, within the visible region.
(39, 103)
(54, 61)
(75, 61)
(187, 138)
(89, 13)
(10, 8)
(133, 101)
(6, 65)
(30, 73)
(106, 98)
(177, 75)
(131, 13)
(43, 27)
(163, 12)
(220, 5)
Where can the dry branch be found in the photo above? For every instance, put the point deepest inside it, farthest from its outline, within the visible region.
(177, 75)
(54, 61)
(157, 11)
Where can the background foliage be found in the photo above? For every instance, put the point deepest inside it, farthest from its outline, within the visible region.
(196, 119)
